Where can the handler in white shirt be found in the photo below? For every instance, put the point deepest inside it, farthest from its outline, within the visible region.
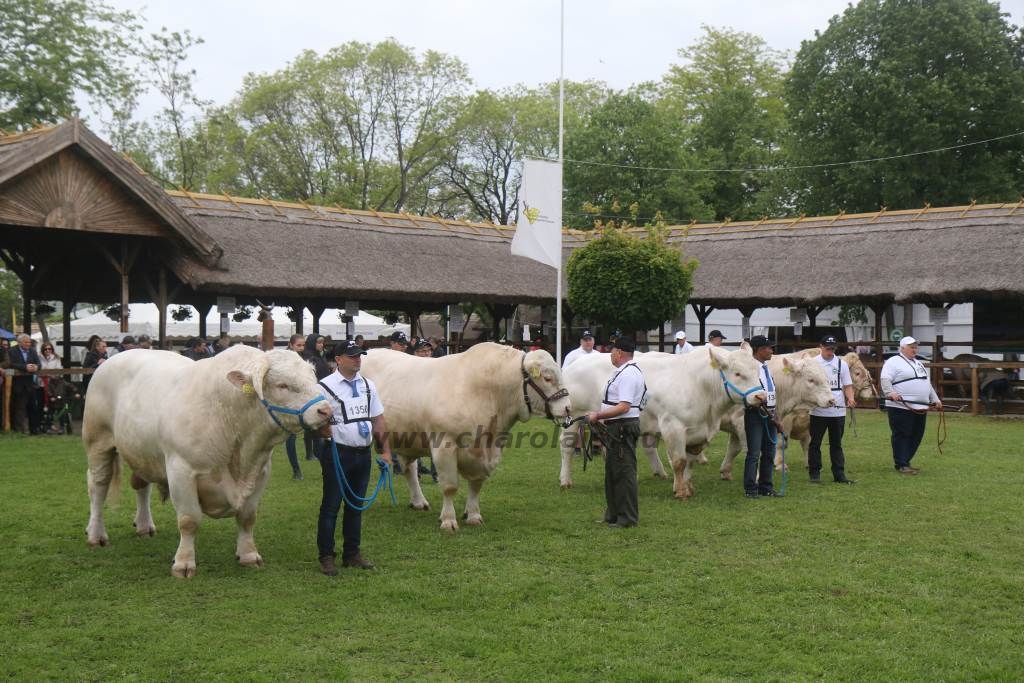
(586, 347)
(908, 390)
(832, 420)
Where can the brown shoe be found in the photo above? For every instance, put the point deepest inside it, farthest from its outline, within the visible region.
(907, 470)
(357, 562)
(328, 567)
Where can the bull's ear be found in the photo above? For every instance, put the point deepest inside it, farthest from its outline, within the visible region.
(716, 360)
(241, 380)
(745, 346)
(787, 366)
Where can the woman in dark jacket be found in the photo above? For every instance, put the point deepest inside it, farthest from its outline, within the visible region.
(315, 355)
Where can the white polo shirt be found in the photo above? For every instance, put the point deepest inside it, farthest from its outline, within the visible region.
(909, 378)
(575, 355)
(838, 373)
(686, 347)
(627, 384)
(353, 402)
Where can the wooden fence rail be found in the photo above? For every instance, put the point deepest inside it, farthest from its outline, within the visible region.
(10, 373)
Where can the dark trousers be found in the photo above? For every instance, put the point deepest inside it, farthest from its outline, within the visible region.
(907, 431)
(293, 457)
(760, 462)
(355, 463)
(23, 407)
(620, 486)
(835, 426)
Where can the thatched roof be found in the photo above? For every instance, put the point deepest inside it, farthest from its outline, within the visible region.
(309, 252)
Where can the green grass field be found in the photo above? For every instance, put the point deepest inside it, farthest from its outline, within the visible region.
(896, 578)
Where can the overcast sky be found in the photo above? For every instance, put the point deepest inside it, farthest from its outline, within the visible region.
(620, 42)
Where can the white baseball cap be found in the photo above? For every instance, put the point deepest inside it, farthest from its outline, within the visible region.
(680, 335)
(907, 341)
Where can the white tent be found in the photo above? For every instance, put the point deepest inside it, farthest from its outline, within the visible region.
(144, 319)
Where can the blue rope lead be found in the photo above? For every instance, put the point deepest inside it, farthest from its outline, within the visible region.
(785, 442)
(353, 499)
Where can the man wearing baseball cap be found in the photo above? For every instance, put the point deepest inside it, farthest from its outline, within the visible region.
(398, 341)
(832, 419)
(715, 338)
(907, 387)
(585, 348)
(358, 421)
(682, 346)
(761, 429)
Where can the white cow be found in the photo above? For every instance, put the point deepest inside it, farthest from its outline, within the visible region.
(800, 384)
(459, 409)
(202, 431)
(687, 395)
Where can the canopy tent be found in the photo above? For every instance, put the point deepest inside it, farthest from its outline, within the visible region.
(144, 319)
(4, 334)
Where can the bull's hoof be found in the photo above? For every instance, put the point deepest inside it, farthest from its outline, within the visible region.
(101, 541)
(145, 530)
(726, 476)
(565, 485)
(183, 570)
(449, 525)
(660, 475)
(250, 560)
(474, 519)
(424, 506)
(703, 459)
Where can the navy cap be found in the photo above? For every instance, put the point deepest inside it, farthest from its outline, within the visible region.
(716, 334)
(624, 344)
(586, 335)
(399, 336)
(348, 348)
(758, 341)
(828, 340)
(422, 344)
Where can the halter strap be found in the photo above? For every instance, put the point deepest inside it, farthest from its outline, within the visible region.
(528, 382)
(731, 388)
(271, 409)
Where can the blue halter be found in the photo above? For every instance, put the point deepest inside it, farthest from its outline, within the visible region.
(271, 409)
(731, 388)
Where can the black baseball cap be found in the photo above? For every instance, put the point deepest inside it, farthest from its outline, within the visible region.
(759, 340)
(716, 334)
(829, 340)
(624, 344)
(399, 336)
(348, 348)
(422, 344)
(586, 335)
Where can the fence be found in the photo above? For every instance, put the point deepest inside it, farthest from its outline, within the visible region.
(10, 373)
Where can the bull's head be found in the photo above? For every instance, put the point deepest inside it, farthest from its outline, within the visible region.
(863, 384)
(807, 385)
(544, 389)
(739, 374)
(286, 386)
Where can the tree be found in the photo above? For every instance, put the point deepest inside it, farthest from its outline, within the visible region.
(728, 97)
(893, 77)
(11, 302)
(628, 282)
(620, 155)
(52, 50)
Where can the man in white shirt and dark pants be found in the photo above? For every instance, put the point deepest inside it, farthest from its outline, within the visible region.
(833, 419)
(908, 391)
(762, 428)
(358, 420)
(586, 347)
(620, 412)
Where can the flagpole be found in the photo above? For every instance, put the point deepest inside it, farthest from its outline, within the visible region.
(561, 108)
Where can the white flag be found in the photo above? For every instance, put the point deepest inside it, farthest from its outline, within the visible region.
(539, 230)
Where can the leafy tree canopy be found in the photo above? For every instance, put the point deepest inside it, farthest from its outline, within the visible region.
(629, 282)
(50, 50)
(891, 77)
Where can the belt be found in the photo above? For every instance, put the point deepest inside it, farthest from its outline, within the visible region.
(358, 449)
(621, 420)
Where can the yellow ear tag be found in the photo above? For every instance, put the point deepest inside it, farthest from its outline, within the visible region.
(714, 363)
(535, 373)
(787, 369)
(248, 389)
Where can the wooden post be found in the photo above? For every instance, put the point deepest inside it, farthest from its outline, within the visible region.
(26, 298)
(8, 381)
(316, 310)
(974, 389)
(204, 310)
(65, 325)
(747, 312)
(299, 319)
(702, 312)
(161, 304)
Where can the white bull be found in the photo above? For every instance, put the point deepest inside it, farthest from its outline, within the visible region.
(459, 409)
(800, 384)
(687, 396)
(202, 431)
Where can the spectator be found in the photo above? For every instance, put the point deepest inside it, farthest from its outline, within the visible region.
(296, 343)
(93, 359)
(411, 346)
(145, 342)
(195, 348)
(682, 346)
(585, 348)
(126, 344)
(438, 347)
(423, 349)
(23, 386)
(398, 341)
(715, 338)
(360, 341)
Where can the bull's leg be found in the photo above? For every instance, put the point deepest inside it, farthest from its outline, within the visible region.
(447, 463)
(143, 524)
(245, 548)
(731, 451)
(472, 514)
(102, 476)
(568, 442)
(649, 444)
(185, 497)
(417, 500)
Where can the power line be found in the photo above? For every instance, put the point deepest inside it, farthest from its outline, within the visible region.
(773, 169)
